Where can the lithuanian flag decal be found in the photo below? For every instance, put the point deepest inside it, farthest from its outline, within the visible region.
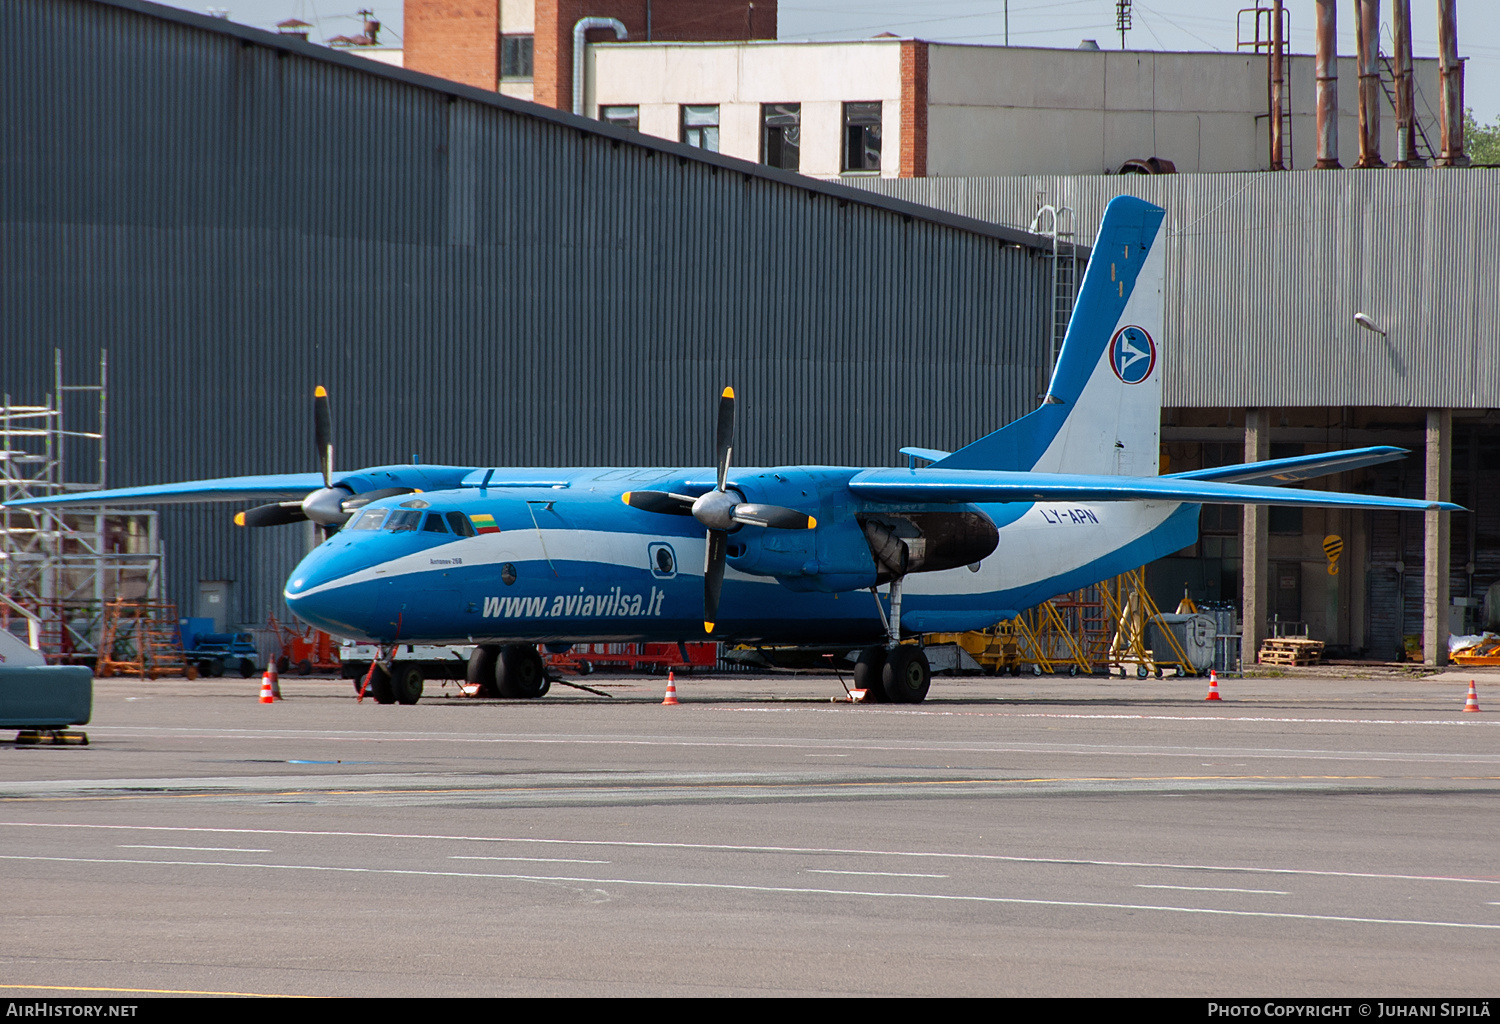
(484, 523)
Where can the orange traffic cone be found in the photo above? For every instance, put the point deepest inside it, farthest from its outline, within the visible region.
(1472, 704)
(671, 689)
(275, 682)
(1213, 685)
(267, 695)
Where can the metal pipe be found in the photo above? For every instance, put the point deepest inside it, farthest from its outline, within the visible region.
(1278, 82)
(1367, 38)
(1451, 107)
(1406, 128)
(1326, 69)
(581, 26)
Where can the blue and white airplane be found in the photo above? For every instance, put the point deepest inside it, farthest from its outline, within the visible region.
(509, 558)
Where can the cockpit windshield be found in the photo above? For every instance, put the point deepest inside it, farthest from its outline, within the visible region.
(370, 519)
(403, 519)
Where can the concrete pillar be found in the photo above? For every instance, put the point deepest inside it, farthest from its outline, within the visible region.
(1435, 536)
(1253, 559)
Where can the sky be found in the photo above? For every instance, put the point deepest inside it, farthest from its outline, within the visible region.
(1158, 25)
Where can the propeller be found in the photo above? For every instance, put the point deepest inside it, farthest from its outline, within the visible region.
(329, 506)
(722, 510)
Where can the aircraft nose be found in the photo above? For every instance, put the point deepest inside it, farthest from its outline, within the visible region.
(323, 593)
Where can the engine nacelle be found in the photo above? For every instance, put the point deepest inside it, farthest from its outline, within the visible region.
(907, 542)
(830, 559)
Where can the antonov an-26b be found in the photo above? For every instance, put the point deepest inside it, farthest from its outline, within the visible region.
(509, 558)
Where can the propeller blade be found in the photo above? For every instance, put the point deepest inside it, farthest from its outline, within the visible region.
(659, 501)
(724, 435)
(773, 516)
(363, 498)
(713, 577)
(323, 433)
(277, 514)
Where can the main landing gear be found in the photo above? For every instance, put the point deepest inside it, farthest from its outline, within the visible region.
(895, 672)
(514, 671)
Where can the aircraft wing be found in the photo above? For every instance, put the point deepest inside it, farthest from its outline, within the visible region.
(1301, 467)
(229, 488)
(982, 485)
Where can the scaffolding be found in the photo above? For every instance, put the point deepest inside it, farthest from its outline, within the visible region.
(59, 568)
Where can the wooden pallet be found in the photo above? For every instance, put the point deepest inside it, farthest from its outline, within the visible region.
(1290, 651)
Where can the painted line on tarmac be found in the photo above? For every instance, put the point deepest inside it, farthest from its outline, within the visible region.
(528, 860)
(1112, 750)
(1213, 888)
(1116, 716)
(873, 874)
(195, 849)
(154, 991)
(782, 889)
(734, 848)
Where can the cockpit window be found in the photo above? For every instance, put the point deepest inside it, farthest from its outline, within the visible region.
(368, 520)
(434, 523)
(460, 524)
(403, 519)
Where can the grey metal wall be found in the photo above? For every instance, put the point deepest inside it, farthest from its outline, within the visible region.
(1266, 272)
(238, 218)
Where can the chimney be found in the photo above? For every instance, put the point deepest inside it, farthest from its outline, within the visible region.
(1406, 127)
(1451, 106)
(1368, 39)
(1326, 68)
(294, 28)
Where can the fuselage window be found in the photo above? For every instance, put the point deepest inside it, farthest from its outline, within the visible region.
(403, 519)
(369, 520)
(460, 524)
(434, 523)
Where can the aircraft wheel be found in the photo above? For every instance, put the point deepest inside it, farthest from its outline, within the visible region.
(519, 672)
(867, 674)
(381, 687)
(906, 675)
(481, 670)
(407, 684)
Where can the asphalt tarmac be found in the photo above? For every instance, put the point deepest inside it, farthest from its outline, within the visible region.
(1309, 835)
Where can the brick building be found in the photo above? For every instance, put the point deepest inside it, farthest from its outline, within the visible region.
(524, 48)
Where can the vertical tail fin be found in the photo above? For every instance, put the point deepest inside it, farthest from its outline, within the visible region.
(1102, 412)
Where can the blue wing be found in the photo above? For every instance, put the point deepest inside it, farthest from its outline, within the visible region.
(1301, 467)
(982, 485)
(273, 485)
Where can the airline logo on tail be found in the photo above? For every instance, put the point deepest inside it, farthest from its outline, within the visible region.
(1132, 354)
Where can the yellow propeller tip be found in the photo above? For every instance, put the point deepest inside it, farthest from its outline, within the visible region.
(239, 519)
(812, 523)
(320, 392)
(708, 627)
(729, 392)
(625, 497)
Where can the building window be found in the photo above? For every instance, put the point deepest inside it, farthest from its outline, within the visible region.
(515, 58)
(781, 135)
(621, 117)
(700, 127)
(861, 137)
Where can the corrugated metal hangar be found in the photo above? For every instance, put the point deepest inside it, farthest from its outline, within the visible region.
(237, 217)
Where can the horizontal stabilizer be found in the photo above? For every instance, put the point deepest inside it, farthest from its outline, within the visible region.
(978, 485)
(930, 454)
(1290, 471)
